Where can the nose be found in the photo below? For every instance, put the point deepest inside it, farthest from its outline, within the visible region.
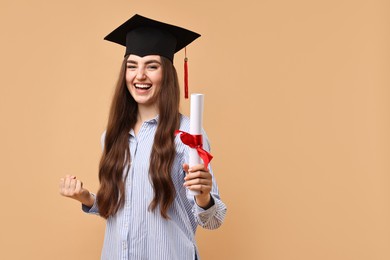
(141, 74)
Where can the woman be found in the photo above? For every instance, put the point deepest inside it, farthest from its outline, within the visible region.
(144, 178)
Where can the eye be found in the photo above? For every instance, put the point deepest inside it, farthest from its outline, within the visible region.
(131, 67)
(153, 67)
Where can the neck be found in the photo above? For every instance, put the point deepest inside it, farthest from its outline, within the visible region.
(146, 113)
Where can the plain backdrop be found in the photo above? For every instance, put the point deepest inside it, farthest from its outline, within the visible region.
(296, 108)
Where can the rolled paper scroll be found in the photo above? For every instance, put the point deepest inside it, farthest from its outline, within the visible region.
(196, 123)
(194, 138)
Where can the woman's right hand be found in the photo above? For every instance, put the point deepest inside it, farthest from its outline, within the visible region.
(73, 188)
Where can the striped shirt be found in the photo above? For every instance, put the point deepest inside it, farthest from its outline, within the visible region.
(134, 232)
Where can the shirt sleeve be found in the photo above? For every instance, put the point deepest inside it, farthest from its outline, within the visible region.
(91, 210)
(214, 216)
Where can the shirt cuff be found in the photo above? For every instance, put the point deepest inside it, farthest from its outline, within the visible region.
(205, 215)
(91, 210)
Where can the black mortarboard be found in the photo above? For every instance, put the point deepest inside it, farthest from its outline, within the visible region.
(143, 36)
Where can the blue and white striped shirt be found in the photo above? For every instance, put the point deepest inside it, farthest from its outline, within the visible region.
(134, 232)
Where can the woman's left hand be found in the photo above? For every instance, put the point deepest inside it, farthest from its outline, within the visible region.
(199, 179)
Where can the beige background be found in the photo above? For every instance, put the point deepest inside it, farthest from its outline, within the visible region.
(297, 110)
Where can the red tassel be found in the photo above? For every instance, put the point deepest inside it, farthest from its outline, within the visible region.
(185, 74)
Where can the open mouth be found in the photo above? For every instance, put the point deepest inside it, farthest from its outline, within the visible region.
(143, 86)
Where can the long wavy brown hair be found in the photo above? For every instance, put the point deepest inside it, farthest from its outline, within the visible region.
(116, 154)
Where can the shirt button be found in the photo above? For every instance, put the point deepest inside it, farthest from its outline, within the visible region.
(124, 245)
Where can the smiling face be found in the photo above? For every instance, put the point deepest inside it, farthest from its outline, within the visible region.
(143, 78)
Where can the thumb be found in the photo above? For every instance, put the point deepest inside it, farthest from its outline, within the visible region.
(185, 167)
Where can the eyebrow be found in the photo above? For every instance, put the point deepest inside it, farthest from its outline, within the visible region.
(147, 62)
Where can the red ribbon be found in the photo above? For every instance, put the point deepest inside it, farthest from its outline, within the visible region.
(195, 142)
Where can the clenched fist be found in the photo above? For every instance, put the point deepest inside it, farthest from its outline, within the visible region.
(73, 188)
(199, 179)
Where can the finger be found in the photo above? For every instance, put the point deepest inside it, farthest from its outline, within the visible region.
(198, 167)
(198, 181)
(198, 174)
(72, 185)
(67, 182)
(78, 187)
(185, 167)
(201, 188)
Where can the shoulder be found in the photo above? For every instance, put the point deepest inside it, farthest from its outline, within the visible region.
(184, 123)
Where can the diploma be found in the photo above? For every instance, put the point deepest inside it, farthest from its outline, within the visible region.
(196, 123)
(194, 139)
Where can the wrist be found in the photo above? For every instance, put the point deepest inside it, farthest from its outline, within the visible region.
(205, 202)
(88, 199)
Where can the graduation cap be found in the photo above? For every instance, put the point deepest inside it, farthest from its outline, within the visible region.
(143, 36)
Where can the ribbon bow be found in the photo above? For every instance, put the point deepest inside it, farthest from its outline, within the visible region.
(195, 142)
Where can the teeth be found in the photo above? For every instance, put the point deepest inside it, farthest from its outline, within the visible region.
(142, 85)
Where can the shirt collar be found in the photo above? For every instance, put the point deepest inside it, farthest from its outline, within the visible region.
(153, 120)
(150, 121)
